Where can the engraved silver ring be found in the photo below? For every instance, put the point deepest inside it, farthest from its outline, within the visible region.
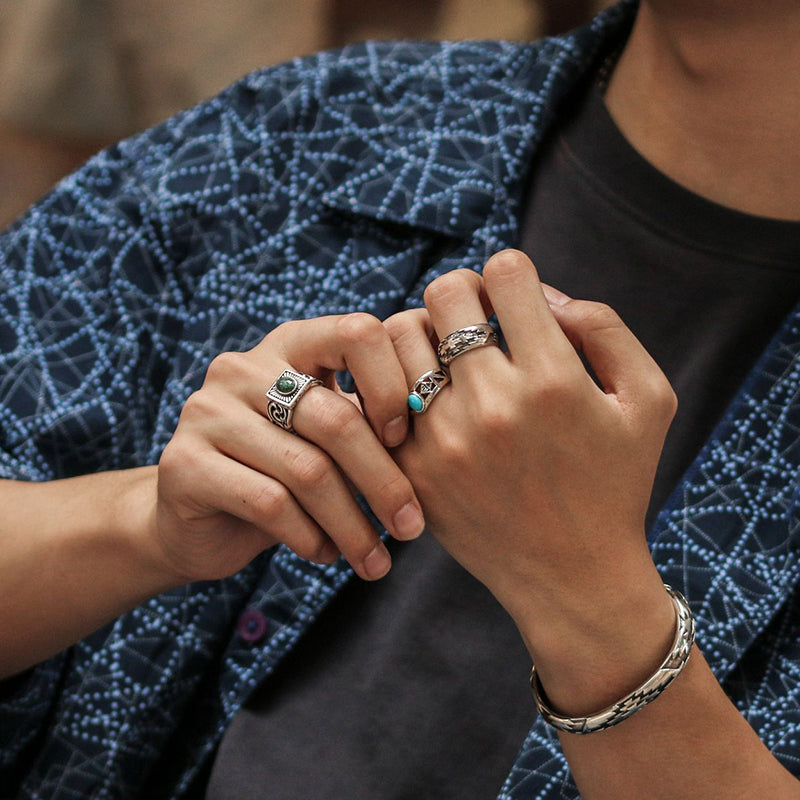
(426, 387)
(284, 394)
(459, 342)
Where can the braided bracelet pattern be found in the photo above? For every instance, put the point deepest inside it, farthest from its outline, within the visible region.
(673, 664)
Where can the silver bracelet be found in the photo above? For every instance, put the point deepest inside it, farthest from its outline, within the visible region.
(673, 664)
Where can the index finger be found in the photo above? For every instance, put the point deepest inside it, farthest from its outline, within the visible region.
(359, 343)
(530, 330)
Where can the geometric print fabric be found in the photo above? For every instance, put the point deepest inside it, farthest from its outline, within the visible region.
(341, 182)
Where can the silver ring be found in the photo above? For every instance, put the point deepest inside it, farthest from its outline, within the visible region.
(426, 387)
(283, 395)
(459, 342)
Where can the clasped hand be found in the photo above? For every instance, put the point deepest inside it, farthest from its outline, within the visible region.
(533, 475)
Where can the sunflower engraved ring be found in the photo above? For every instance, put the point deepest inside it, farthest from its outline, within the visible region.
(426, 387)
(283, 395)
(460, 341)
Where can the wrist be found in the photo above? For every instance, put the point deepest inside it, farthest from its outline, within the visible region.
(604, 645)
(133, 517)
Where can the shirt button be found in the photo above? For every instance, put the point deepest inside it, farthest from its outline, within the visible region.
(252, 626)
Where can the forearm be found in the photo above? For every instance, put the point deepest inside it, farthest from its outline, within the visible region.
(691, 742)
(75, 555)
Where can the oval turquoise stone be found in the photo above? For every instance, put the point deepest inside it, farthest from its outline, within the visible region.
(415, 402)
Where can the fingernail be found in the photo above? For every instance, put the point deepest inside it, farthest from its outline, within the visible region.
(395, 431)
(408, 522)
(554, 297)
(377, 563)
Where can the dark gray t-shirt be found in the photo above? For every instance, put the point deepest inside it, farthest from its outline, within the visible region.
(416, 686)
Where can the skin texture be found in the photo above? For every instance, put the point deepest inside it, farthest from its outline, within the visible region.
(230, 486)
(537, 481)
(709, 93)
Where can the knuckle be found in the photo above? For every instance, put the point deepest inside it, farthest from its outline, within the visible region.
(399, 326)
(286, 331)
(454, 451)
(498, 420)
(361, 546)
(226, 367)
(338, 418)
(555, 389)
(174, 460)
(360, 328)
(199, 405)
(268, 501)
(183, 467)
(663, 399)
(309, 549)
(395, 490)
(396, 325)
(408, 332)
(506, 265)
(308, 469)
(598, 316)
(672, 403)
(451, 287)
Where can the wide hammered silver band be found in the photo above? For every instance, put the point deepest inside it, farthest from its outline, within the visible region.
(426, 387)
(673, 664)
(459, 342)
(283, 395)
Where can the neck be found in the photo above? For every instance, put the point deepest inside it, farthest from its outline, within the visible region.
(709, 93)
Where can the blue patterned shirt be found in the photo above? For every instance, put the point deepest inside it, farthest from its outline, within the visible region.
(340, 182)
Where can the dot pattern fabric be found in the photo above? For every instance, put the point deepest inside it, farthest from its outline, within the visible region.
(341, 182)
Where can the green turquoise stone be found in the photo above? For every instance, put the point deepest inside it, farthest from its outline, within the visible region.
(285, 384)
(415, 402)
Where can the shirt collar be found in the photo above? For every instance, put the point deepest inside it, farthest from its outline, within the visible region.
(446, 163)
